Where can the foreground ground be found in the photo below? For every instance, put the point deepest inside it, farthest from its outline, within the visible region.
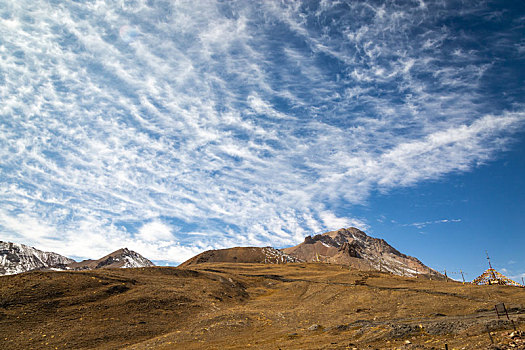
(240, 306)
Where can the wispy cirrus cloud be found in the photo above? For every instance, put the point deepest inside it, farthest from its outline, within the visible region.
(147, 124)
(432, 222)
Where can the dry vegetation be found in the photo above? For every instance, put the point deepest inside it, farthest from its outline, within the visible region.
(240, 306)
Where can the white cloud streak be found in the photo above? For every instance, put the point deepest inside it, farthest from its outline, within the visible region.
(432, 222)
(147, 124)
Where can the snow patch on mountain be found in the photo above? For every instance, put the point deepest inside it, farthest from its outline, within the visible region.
(274, 256)
(132, 259)
(17, 258)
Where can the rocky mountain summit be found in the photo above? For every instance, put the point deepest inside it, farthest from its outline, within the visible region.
(123, 258)
(351, 246)
(17, 258)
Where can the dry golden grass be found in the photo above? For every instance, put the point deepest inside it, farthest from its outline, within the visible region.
(240, 306)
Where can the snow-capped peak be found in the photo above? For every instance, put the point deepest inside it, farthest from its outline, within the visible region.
(16, 258)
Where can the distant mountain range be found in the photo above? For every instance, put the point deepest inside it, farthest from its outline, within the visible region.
(16, 258)
(347, 246)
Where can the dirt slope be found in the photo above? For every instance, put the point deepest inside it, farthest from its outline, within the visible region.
(261, 255)
(241, 306)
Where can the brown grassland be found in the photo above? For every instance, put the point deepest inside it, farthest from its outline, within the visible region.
(244, 306)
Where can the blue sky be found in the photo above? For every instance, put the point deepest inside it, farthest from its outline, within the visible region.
(171, 127)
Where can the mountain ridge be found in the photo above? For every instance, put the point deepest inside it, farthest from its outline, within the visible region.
(17, 258)
(346, 246)
(261, 255)
(121, 258)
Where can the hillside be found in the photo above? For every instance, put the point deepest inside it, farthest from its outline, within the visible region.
(259, 306)
(265, 255)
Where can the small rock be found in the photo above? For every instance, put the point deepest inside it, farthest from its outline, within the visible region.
(342, 327)
(408, 342)
(314, 327)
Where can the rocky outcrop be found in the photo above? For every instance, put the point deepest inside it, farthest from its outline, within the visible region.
(350, 249)
(16, 258)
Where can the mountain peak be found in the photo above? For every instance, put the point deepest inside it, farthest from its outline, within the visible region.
(121, 251)
(120, 258)
(354, 247)
(16, 258)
